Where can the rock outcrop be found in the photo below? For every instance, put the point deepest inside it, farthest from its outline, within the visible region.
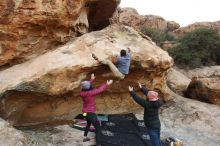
(130, 17)
(183, 30)
(29, 28)
(10, 136)
(62, 135)
(194, 122)
(177, 81)
(47, 88)
(205, 85)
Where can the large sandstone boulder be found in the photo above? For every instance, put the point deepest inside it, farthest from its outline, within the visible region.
(194, 122)
(47, 88)
(183, 30)
(10, 136)
(177, 81)
(203, 72)
(130, 17)
(29, 28)
(205, 85)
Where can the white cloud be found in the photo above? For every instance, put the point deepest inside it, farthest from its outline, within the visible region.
(182, 11)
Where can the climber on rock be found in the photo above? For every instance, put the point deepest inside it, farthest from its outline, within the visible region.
(89, 107)
(119, 65)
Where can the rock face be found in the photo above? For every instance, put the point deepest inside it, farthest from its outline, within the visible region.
(10, 136)
(194, 122)
(62, 135)
(130, 17)
(47, 88)
(31, 28)
(177, 81)
(183, 30)
(205, 85)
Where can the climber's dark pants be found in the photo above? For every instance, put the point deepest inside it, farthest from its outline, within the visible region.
(91, 118)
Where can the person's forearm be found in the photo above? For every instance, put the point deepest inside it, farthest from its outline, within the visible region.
(137, 99)
(144, 90)
(129, 50)
(99, 90)
(91, 80)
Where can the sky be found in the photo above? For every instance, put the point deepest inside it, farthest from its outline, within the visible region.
(184, 12)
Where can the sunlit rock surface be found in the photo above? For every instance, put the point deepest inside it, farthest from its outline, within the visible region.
(47, 88)
(183, 30)
(194, 122)
(29, 28)
(130, 17)
(10, 136)
(205, 85)
(177, 81)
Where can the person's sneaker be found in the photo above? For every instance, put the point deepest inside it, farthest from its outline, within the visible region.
(86, 139)
(94, 57)
(97, 59)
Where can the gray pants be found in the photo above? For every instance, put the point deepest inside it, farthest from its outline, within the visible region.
(115, 72)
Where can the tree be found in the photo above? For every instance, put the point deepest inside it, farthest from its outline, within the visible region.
(158, 36)
(197, 48)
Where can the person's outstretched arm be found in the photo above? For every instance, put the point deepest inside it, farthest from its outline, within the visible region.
(98, 90)
(95, 91)
(129, 50)
(136, 98)
(143, 89)
(92, 79)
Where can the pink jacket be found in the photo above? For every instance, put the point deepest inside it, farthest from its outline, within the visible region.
(88, 98)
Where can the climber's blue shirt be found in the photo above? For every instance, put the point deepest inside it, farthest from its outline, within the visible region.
(123, 63)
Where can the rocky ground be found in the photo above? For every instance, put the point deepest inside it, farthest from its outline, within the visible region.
(10, 136)
(194, 122)
(57, 136)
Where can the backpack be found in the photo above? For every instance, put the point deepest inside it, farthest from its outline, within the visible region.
(172, 141)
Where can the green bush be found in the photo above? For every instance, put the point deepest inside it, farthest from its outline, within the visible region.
(197, 48)
(156, 35)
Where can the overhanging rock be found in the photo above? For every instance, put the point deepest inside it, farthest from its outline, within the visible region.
(47, 88)
(29, 28)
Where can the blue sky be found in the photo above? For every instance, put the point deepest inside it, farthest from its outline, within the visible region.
(182, 11)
